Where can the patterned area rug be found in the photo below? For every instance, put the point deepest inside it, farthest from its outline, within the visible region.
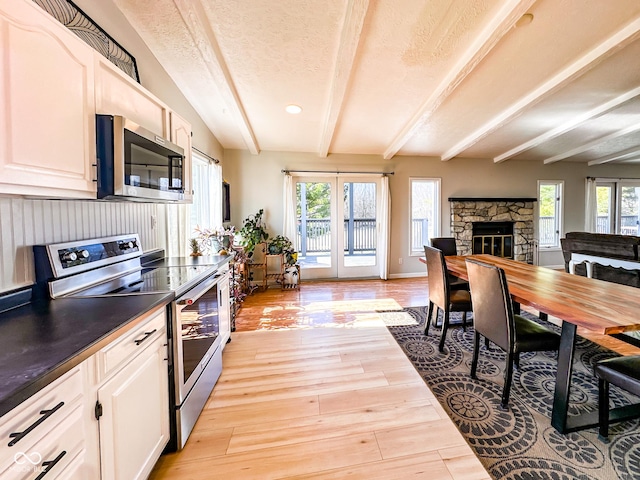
(519, 443)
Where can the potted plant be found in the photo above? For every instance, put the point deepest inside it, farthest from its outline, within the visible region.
(282, 245)
(253, 231)
(194, 244)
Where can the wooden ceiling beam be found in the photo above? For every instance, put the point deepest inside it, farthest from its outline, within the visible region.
(611, 45)
(508, 15)
(199, 27)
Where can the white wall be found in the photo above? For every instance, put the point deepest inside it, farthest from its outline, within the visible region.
(256, 182)
(26, 222)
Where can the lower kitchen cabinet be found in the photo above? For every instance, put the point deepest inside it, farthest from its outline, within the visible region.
(132, 400)
(107, 418)
(133, 415)
(44, 434)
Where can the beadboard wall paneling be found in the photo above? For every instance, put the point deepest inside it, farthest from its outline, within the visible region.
(27, 222)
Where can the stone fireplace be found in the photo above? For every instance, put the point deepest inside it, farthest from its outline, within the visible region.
(503, 226)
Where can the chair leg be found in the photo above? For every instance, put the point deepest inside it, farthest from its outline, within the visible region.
(486, 343)
(464, 321)
(508, 375)
(445, 326)
(429, 314)
(516, 360)
(603, 410)
(476, 350)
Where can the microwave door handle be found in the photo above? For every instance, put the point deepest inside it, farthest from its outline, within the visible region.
(196, 292)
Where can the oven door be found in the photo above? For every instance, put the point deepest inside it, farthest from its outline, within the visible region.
(196, 334)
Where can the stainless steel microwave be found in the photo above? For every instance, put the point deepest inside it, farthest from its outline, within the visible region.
(136, 164)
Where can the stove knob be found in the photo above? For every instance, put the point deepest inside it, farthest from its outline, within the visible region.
(84, 253)
(69, 256)
(126, 245)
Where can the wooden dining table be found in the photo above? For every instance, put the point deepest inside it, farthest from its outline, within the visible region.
(598, 306)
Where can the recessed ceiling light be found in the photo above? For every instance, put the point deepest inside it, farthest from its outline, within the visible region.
(293, 109)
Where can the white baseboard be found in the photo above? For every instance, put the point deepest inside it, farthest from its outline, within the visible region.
(407, 275)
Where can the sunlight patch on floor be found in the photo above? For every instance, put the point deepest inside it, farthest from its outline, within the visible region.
(353, 305)
(330, 314)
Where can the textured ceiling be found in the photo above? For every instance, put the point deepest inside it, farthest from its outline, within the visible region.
(442, 78)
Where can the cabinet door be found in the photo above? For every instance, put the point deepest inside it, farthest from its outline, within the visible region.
(119, 94)
(224, 310)
(134, 426)
(181, 136)
(47, 106)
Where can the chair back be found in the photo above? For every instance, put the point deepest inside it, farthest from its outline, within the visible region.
(492, 307)
(437, 274)
(446, 244)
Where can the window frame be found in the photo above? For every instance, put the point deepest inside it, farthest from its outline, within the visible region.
(437, 209)
(559, 217)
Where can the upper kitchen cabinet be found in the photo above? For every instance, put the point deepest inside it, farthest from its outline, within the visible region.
(47, 106)
(181, 136)
(118, 94)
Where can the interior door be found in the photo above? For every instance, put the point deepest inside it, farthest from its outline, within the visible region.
(337, 226)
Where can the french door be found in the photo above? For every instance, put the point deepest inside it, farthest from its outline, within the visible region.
(337, 226)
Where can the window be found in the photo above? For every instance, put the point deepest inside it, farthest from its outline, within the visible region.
(425, 212)
(618, 206)
(628, 207)
(550, 213)
(605, 196)
(206, 209)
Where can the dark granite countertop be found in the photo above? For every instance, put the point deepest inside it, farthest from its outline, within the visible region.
(42, 340)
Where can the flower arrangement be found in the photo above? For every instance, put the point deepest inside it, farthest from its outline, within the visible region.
(214, 241)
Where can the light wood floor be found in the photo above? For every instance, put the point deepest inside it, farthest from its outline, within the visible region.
(314, 386)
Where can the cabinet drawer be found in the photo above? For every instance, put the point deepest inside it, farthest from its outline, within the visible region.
(39, 414)
(121, 351)
(57, 450)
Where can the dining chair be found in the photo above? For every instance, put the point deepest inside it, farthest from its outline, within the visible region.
(448, 247)
(493, 318)
(624, 372)
(441, 295)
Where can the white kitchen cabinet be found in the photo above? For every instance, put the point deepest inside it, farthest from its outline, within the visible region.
(45, 433)
(133, 403)
(119, 94)
(181, 136)
(47, 106)
(224, 309)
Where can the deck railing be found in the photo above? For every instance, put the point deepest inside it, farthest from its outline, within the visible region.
(360, 236)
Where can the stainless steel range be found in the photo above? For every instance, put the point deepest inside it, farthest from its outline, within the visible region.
(112, 266)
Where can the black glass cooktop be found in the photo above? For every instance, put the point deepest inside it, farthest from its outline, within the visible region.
(149, 280)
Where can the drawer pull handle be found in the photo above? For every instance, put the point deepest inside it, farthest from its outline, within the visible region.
(45, 414)
(146, 335)
(50, 464)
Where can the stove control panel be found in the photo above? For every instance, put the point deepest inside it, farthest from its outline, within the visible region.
(75, 257)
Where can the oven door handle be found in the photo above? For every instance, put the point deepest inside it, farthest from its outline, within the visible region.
(196, 292)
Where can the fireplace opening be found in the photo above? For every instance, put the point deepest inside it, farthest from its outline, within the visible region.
(494, 238)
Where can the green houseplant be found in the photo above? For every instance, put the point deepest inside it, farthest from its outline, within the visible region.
(282, 245)
(253, 231)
